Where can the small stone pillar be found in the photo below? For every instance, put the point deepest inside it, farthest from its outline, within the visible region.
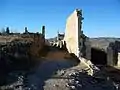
(7, 30)
(43, 31)
(26, 30)
(110, 56)
(88, 49)
(118, 63)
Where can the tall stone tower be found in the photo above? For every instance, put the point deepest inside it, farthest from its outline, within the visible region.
(73, 32)
(26, 30)
(43, 31)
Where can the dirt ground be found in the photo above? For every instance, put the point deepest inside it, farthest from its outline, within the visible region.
(60, 71)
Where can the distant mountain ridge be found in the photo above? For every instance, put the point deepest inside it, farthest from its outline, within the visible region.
(100, 42)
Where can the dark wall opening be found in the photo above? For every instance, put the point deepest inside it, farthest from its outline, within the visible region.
(98, 57)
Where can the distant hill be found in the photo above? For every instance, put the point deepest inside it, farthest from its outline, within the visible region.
(100, 42)
(52, 39)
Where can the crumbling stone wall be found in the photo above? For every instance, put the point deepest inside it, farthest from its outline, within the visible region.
(118, 64)
(88, 49)
(37, 45)
(37, 39)
(19, 52)
(76, 42)
(72, 33)
(110, 56)
(113, 56)
(13, 56)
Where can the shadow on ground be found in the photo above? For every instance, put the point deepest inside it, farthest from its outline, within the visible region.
(48, 68)
(53, 59)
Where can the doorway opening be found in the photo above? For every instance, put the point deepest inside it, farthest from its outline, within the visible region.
(98, 57)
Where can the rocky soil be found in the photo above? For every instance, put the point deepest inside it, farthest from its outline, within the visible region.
(60, 76)
(55, 70)
(62, 73)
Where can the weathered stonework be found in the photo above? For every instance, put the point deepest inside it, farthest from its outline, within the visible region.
(110, 56)
(113, 54)
(73, 31)
(88, 49)
(118, 64)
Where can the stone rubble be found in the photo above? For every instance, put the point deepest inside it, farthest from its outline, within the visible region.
(67, 79)
(83, 81)
(21, 83)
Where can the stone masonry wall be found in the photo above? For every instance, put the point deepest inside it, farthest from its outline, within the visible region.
(72, 33)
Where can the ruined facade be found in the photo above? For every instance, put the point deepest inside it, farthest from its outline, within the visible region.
(76, 42)
(73, 31)
(113, 54)
(37, 40)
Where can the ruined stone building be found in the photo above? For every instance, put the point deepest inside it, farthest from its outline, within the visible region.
(113, 54)
(18, 50)
(37, 40)
(60, 36)
(80, 45)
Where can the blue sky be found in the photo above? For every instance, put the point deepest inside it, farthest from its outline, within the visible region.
(101, 17)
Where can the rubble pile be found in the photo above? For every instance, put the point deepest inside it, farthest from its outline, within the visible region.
(80, 80)
(18, 81)
(17, 85)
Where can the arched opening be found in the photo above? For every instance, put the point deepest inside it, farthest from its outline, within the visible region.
(98, 57)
